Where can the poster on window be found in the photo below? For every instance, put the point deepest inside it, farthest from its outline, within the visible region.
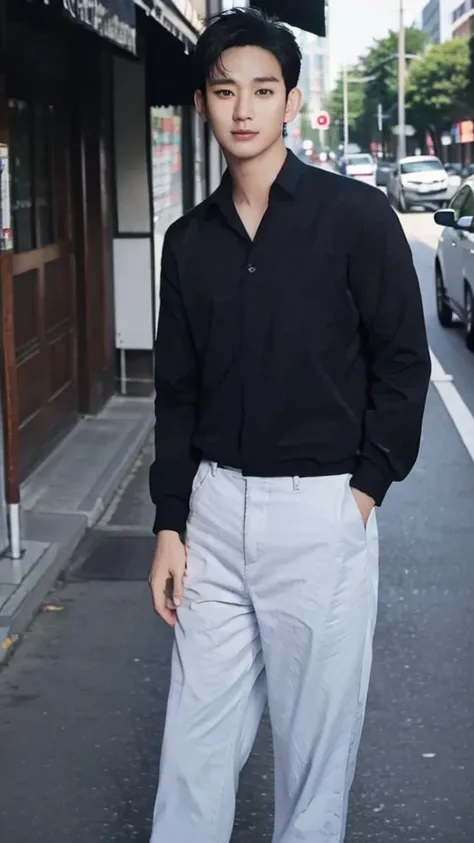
(167, 176)
(6, 240)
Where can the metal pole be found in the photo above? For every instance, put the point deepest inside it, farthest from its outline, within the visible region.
(401, 85)
(345, 88)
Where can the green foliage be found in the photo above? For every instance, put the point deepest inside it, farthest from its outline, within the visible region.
(335, 105)
(355, 98)
(380, 68)
(438, 86)
(381, 62)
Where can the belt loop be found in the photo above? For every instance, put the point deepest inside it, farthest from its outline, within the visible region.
(296, 484)
(214, 468)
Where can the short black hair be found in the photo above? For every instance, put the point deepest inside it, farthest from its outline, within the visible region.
(246, 28)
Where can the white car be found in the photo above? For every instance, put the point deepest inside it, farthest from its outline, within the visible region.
(360, 166)
(454, 267)
(419, 181)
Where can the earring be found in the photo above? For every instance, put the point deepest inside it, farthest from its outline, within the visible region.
(285, 130)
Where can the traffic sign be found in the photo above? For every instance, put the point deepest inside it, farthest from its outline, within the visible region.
(322, 120)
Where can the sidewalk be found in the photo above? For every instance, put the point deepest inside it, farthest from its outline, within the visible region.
(65, 496)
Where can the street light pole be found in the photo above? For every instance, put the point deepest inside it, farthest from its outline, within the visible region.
(345, 94)
(401, 85)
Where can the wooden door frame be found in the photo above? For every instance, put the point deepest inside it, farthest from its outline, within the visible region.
(9, 382)
(40, 77)
(92, 92)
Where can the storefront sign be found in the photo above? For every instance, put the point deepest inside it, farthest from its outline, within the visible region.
(112, 19)
(6, 241)
(466, 131)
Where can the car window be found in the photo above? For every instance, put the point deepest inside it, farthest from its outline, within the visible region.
(458, 201)
(467, 209)
(359, 159)
(421, 166)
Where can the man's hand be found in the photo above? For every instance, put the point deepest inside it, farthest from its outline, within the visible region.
(167, 575)
(364, 503)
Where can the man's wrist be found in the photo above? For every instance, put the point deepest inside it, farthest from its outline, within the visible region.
(168, 535)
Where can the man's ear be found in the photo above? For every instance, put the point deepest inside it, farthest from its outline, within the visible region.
(293, 104)
(200, 103)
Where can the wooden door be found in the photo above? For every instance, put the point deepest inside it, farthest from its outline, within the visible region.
(43, 270)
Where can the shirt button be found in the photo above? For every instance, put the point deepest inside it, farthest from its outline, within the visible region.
(251, 267)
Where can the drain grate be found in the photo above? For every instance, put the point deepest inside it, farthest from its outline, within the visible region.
(116, 557)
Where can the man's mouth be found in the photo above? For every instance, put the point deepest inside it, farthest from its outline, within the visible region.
(244, 134)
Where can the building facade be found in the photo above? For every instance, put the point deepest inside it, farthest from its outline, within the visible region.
(315, 71)
(462, 19)
(98, 148)
(436, 20)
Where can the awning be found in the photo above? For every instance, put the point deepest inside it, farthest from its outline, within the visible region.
(111, 19)
(309, 15)
(168, 63)
(179, 17)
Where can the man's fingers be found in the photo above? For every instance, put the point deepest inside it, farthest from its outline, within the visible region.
(167, 595)
(160, 595)
(178, 589)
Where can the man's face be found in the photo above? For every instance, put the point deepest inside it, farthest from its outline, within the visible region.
(246, 102)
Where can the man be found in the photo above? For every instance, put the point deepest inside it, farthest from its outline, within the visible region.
(291, 375)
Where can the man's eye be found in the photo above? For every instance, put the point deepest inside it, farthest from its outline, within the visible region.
(224, 93)
(264, 92)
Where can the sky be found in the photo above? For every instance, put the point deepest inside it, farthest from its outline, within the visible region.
(354, 24)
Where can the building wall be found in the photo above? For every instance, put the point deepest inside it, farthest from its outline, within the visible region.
(315, 76)
(436, 20)
(462, 18)
(134, 323)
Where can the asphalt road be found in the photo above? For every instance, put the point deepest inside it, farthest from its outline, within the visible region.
(82, 701)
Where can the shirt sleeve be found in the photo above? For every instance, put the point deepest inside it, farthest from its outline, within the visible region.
(385, 288)
(175, 465)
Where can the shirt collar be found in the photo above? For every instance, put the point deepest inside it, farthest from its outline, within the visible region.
(287, 180)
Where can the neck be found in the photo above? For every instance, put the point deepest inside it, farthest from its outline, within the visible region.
(252, 180)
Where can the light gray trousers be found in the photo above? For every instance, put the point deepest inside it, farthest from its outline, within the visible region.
(280, 606)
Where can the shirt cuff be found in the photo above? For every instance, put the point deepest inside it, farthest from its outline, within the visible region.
(171, 514)
(368, 478)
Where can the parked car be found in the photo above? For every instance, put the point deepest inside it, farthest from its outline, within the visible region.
(419, 181)
(455, 176)
(360, 166)
(454, 266)
(467, 171)
(384, 171)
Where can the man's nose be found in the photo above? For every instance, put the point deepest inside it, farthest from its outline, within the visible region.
(243, 108)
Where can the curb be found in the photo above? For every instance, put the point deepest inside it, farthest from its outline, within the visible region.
(54, 557)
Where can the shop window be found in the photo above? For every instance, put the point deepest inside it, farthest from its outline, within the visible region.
(45, 204)
(21, 163)
(167, 176)
(32, 150)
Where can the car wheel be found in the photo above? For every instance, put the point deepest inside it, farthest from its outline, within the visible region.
(469, 306)
(443, 310)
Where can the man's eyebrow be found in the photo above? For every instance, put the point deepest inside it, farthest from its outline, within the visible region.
(225, 80)
(222, 80)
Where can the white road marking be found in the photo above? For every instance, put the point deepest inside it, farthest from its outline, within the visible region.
(460, 413)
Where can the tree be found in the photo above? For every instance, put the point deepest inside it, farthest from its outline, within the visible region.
(381, 63)
(438, 88)
(335, 103)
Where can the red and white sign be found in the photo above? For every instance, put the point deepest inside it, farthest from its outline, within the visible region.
(322, 120)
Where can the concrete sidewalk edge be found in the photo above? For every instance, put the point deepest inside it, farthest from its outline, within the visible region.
(54, 556)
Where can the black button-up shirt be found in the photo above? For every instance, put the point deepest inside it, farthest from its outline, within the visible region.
(302, 352)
